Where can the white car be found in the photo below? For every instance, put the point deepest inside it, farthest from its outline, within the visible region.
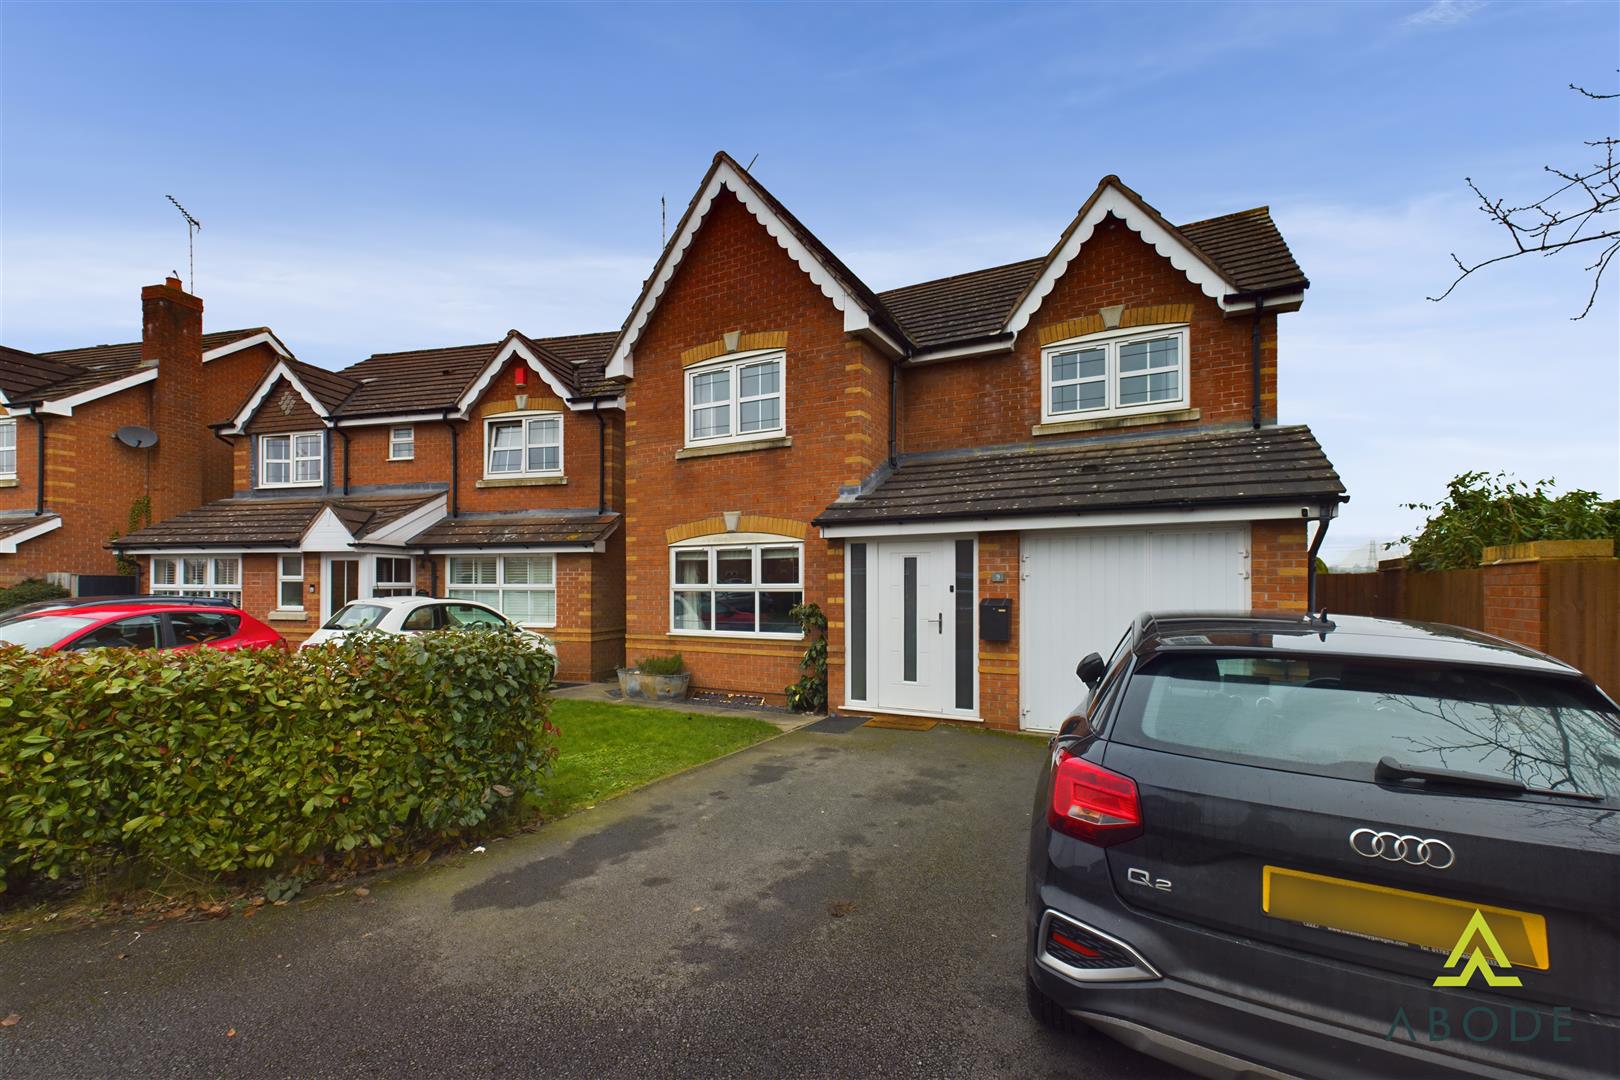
(415, 615)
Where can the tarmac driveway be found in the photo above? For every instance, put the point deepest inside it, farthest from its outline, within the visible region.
(822, 904)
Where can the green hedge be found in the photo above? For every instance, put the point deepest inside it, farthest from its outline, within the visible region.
(218, 762)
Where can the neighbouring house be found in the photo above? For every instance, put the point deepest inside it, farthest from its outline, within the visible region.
(979, 478)
(491, 472)
(67, 483)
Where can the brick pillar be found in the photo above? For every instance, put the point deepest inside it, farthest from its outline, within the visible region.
(171, 340)
(1515, 585)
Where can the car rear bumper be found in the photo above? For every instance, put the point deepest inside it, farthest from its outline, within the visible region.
(1223, 1026)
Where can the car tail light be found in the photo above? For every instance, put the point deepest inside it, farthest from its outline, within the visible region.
(1091, 803)
(1083, 954)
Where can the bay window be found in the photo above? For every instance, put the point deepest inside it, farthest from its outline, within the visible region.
(523, 446)
(736, 588)
(295, 460)
(1140, 370)
(736, 401)
(198, 575)
(521, 587)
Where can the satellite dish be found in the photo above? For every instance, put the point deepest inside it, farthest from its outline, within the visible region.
(138, 437)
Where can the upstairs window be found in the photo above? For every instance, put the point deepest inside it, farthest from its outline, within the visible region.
(523, 446)
(296, 460)
(736, 401)
(8, 449)
(1134, 371)
(401, 443)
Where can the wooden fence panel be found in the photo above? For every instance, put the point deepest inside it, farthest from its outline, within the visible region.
(1450, 596)
(1583, 617)
(1373, 593)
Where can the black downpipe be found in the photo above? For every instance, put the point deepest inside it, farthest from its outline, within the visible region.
(894, 413)
(1322, 523)
(455, 465)
(39, 463)
(601, 457)
(1259, 303)
(344, 435)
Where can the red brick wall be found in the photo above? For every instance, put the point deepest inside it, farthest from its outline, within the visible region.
(227, 382)
(998, 661)
(1515, 602)
(171, 335)
(997, 400)
(1278, 552)
(735, 277)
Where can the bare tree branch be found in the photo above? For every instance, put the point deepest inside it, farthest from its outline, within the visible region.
(1573, 214)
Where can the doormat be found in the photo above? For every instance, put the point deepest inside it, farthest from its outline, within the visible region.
(902, 723)
(836, 725)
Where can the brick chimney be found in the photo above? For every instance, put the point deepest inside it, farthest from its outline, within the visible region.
(171, 340)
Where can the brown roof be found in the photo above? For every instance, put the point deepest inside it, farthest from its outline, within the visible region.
(961, 307)
(1249, 249)
(15, 521)
(430, 380)
(329, 387)
(518, 530)
(1269, 465)
(251, 522)
(85, 369)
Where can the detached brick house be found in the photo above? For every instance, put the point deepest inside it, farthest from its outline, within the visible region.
(491, 472)
(67, 484)
(1065, 440)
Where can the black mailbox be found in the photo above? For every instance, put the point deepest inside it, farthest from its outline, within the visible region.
(995, 620)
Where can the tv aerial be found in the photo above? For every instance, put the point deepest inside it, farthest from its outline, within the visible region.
(192, 226)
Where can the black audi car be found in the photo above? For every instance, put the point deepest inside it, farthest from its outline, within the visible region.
(1332, 846)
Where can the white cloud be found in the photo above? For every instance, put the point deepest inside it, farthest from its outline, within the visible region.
(1444, 13)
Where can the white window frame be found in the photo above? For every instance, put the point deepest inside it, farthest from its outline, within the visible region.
(292, 459)
(407, 441)
(210, 585)
(392, 587)
(712, 546)
(283, 579)
(523, 420)
(8, 435)
(500, 585)
(734, 364)
(1111, 342)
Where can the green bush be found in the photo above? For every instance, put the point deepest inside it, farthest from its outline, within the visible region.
(29, 591)
(215, 762)
(1481, 510)
(661, 665)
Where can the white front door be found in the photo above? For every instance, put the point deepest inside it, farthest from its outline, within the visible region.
(914, 625)
(1081, 589)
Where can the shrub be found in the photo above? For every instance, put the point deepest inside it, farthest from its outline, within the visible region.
(29, 591)
(661, 665)
(215, 762)
(809, 694)
(1481, 511)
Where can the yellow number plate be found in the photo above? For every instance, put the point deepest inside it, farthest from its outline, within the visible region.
(1434, 922)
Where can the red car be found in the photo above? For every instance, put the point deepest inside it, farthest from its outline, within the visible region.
(134, 622)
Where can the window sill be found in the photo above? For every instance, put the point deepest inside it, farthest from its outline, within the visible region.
(401, 459)
(1104, 423)
(724, 636)
(8, 481)
(521, 481)
(734, 448)
(287, 615)
(301, 484)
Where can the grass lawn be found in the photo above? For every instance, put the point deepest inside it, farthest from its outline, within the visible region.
(605, 749)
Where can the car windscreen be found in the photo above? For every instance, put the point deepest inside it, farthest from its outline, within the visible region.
(41, 630)
(1334, 716)
(356, 617)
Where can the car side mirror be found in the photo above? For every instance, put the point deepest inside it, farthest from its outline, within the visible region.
(1090, 670)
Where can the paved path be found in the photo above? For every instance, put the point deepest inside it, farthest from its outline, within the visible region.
(819, 905)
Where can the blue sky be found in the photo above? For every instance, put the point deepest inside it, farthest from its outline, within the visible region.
(375, 177)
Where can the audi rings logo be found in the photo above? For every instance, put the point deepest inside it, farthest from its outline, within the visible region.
(1412, 850)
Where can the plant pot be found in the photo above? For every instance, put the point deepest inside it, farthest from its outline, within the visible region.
(670, 687)
(630, 683)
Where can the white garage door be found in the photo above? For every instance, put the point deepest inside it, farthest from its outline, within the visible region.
(1081, 589)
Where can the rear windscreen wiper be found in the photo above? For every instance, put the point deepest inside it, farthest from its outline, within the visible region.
(1390, 769)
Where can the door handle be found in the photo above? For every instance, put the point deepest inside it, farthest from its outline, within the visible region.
(939, 622)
